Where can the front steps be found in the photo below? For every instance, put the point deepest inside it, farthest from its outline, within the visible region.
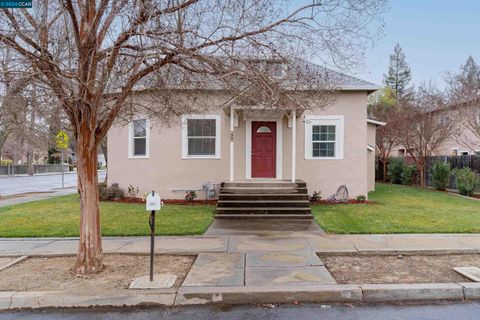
(264, 200)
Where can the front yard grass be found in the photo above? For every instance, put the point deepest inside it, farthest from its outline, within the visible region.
(60, 216)
(402, 209)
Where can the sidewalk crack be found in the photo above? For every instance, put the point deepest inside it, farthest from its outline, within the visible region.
(11, 300)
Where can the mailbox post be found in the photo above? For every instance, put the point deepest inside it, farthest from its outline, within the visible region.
(153, 203)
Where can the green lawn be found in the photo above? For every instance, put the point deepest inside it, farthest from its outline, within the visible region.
(402, 209)
(59, 217)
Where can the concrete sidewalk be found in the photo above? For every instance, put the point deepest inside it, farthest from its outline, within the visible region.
(240, 269)
(337, 244)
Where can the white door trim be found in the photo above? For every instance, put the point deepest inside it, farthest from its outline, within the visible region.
(248, 146)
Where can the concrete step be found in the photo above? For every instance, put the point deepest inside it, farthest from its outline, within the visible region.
(265, 184)
(263, 196)
(263, 203)
(263, 190)
(300, 217)
(264, 210)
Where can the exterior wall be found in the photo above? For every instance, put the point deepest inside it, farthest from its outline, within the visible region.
(168, 174)
(371, 133)
(472, 147)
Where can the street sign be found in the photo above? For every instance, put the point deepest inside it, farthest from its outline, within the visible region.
(62, 140)
(62, 144)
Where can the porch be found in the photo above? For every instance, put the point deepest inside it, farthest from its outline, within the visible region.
(262, 144)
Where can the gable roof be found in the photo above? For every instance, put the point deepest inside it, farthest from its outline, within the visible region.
(301, 75)
(342, 80)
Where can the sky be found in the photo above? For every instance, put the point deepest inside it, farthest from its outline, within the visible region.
(436, 35)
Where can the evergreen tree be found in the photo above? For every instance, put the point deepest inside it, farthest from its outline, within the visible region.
(399, 74)
(465, 84)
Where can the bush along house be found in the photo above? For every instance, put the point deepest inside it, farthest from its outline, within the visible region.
(260, 160)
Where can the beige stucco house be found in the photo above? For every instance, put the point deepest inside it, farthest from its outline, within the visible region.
(324, 146)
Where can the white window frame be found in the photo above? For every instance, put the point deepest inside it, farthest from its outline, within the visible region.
(217, 119)
(337, 121)
(131, 137)
(283, 68)
(464, 153)
(456, 152)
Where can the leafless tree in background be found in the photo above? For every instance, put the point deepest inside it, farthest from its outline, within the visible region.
(463, 89)
(93, 54)
(424, 128)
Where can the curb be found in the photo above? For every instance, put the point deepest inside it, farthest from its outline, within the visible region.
(230, 295)
(12, 300)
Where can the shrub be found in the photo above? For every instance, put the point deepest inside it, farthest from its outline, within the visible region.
(316, 196)
(467, 181)
(190, 195)
(361, 198)
(6, 162)
(133, 191)
(395, 169)
(114, 192)
(408, 174)
(440, 175)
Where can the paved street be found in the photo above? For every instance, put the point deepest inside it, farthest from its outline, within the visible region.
(459, 311)
(38, 183)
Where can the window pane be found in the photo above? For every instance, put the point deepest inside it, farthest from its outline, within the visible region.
(139, 146)
(201, 146)
(315, 133)
(323, 149)
(327, 133)
(140, 128)
(201, 127)
(264, 129)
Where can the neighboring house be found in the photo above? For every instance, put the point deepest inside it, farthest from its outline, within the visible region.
(371, 146)
(463, 141)
(324, 146)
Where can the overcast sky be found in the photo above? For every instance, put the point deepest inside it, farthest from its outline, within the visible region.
(437, 36)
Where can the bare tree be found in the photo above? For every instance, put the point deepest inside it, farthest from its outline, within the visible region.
(382, 106)
(93, 54)
(463, 89)
(424, 127)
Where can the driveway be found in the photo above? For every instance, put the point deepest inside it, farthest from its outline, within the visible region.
(39, 183)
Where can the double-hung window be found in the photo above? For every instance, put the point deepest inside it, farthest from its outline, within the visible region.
(201, 136)
(139, 133)
(324, 137)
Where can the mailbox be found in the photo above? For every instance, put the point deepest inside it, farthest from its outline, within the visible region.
(153, 202)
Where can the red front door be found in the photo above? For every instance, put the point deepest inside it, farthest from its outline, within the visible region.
(264, 139)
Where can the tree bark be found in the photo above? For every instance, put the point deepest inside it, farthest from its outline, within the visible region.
(384, 178)
(90, 252)
(421, 170)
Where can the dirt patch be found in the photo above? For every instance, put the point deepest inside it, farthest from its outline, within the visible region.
(4, 261)
(351, 201)
(392, 269)
(166, 201)
(37, 274)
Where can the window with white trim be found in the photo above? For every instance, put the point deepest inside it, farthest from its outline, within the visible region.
(201, 136)
(323, 137)
(138, 133)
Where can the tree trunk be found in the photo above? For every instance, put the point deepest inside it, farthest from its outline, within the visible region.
(421, 170)
(384, 178)
(90, 252)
